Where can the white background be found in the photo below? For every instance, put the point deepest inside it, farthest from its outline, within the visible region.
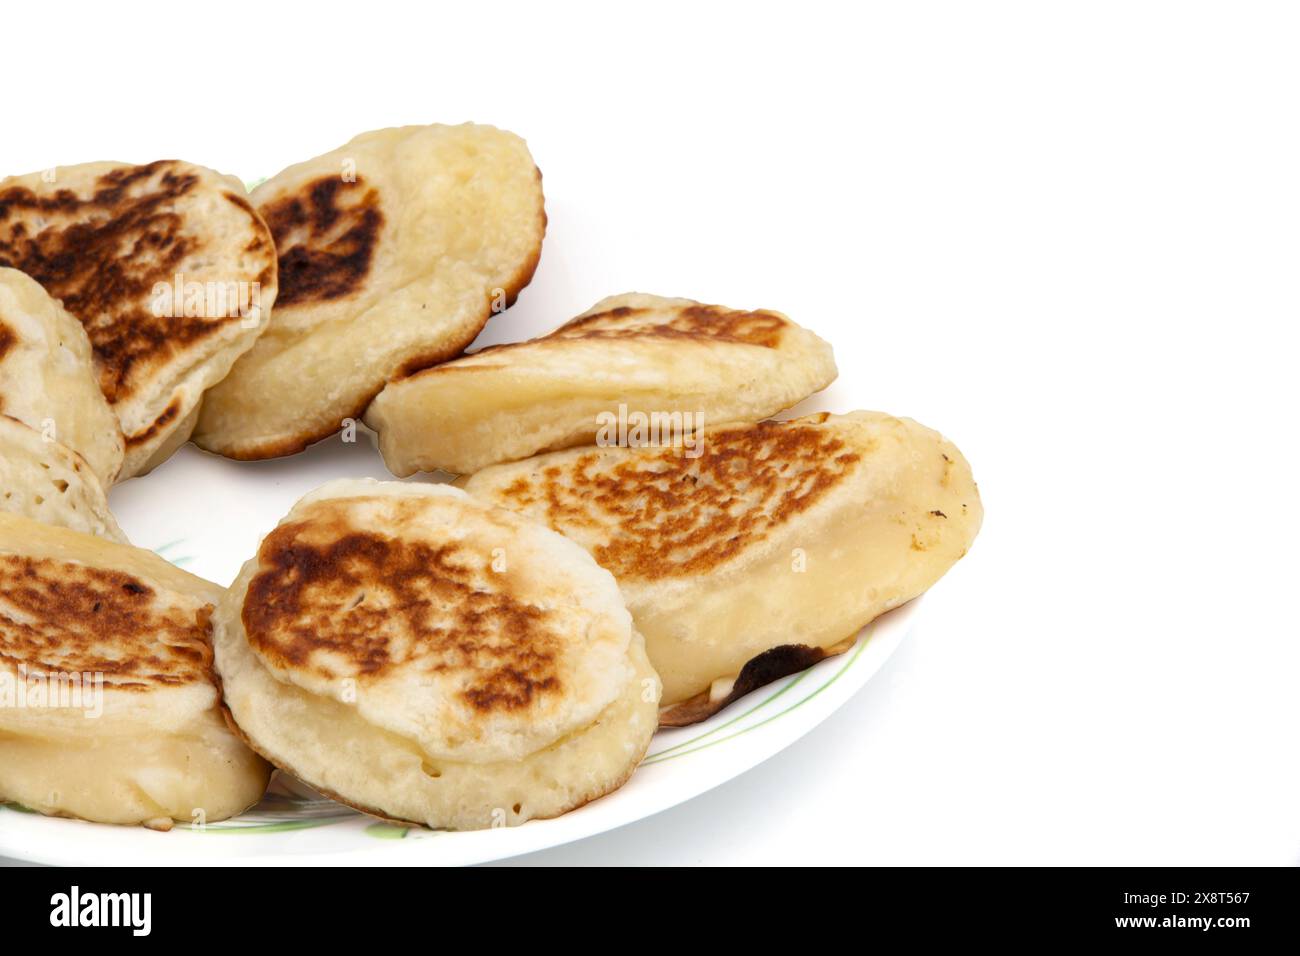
(1065, 235)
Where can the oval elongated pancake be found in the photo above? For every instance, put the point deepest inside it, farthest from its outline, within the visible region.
(170, 270)
(47, 375)
(650, 355)
(426, 658)
(766, 552)
(50, 482)
(394, 251)
(109, 707)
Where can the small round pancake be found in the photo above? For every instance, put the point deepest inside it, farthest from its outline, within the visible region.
(170, 270)
(48, 378)
(109, 707)
(691, 362)
(430, 659)
(49, 482)
(768, 550)
(395, 250)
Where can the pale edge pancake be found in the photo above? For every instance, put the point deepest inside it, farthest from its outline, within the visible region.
(327, 743)
(645, 353)
(49, 482)
(157, 749)
(395, 250)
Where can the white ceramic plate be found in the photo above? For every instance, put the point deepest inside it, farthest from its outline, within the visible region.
(207, 515)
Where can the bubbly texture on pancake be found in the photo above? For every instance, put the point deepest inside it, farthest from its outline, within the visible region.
(45, 480)
(461, 644)
(641, 353)
(109, 705)
(110, 240)
(394, 252)
(47, 376)
(766, 552)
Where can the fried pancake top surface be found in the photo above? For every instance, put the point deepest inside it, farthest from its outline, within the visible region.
(345, 602)
(394, 251)
(337, 220)
(651, 513)
(325, 235)
(106, 237)
(689, 320)
(446, 620)
(637, 316)
(66, 617)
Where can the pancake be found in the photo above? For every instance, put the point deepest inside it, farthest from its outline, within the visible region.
(394, 251)
(635, 354)
(167, 266)
(47, 375)
(50, 482)
(765, 553)
(428, 659)
(109, 707)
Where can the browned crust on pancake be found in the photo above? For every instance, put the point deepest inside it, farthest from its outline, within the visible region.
(711, 322)
(326, 592)
(675, 515)
(7, 339)
(693, 323)
(325, 235)
(167, 416)
(87, 620)
(103, 253)
(429, 359)
(771, 665)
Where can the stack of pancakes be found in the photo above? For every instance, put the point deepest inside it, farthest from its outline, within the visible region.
(632, 541)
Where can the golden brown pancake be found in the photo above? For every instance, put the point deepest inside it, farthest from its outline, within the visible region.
(429, 659)
(109, 706)
(395, 250)
(768, 551)
(170, 270)
(629, 355)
